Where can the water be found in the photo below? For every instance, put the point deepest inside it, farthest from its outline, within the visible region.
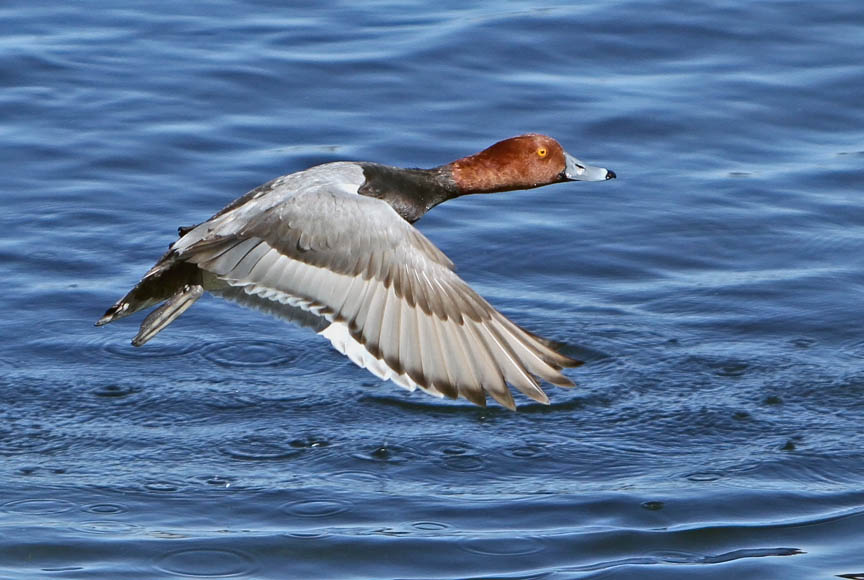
(714, 289)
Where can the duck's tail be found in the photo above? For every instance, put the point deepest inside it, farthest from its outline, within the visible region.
(175, 282)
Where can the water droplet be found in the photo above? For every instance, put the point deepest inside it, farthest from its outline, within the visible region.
(382, 453)
(217, 481)
(652, 505)
(388, 454)
(309, 443)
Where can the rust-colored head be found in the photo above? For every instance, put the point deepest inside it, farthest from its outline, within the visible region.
(521, 162)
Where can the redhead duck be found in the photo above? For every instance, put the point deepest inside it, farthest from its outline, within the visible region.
(333, 248)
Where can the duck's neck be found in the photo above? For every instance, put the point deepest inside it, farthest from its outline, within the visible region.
(411, 192)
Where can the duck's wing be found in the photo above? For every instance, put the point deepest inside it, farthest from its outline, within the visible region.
(393, 303)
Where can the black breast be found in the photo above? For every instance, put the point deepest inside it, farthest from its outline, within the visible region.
(411, 192)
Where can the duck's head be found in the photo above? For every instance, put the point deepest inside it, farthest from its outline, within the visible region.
(521, 162)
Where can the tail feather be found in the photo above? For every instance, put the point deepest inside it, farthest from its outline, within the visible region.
(175, 282)
(168, 312)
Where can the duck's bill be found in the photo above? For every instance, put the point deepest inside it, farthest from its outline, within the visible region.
(575, 170)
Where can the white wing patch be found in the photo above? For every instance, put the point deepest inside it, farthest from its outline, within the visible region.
(338, 335)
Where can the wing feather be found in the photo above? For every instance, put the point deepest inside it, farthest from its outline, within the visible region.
(387, 297)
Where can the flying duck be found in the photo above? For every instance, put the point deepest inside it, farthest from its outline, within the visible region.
(333, 248)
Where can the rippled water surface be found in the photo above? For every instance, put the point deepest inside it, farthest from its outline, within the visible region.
(715, 290)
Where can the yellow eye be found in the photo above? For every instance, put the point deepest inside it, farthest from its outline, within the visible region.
(541, 152)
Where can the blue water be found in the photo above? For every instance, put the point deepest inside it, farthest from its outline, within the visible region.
(715, 290)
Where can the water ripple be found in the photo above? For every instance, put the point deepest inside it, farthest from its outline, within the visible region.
(704, 476)
(249, 353)
(206, 563)
(464, 463)
(358, 476)
(107, 527)
(115, 391)
(259, 448)
(29, 439)
(527, 452)
(316, 508)
(163, 486)
(308, 535)
(79, 342)
(294, 359)
(714, 291)
(105, 508)
(671, 557)
(152, 350)
(38, 506)
(388, 454)
(502, 546)
(429, 526)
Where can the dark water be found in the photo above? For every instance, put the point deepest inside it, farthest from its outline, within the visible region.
(715, 289)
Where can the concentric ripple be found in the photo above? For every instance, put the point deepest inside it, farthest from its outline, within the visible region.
(107, 527)
(163, 486)
(293, 359)
(38, 506)
(429, 526)
(249, 353)
(206, 563)
(257, 448)
(316, 508)
(388, 454)
(502, 546)
(464, 462)
(105, 508)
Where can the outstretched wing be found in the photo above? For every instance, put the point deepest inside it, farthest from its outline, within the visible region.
(393, 303)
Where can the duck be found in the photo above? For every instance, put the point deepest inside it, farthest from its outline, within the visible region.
(333, 248)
